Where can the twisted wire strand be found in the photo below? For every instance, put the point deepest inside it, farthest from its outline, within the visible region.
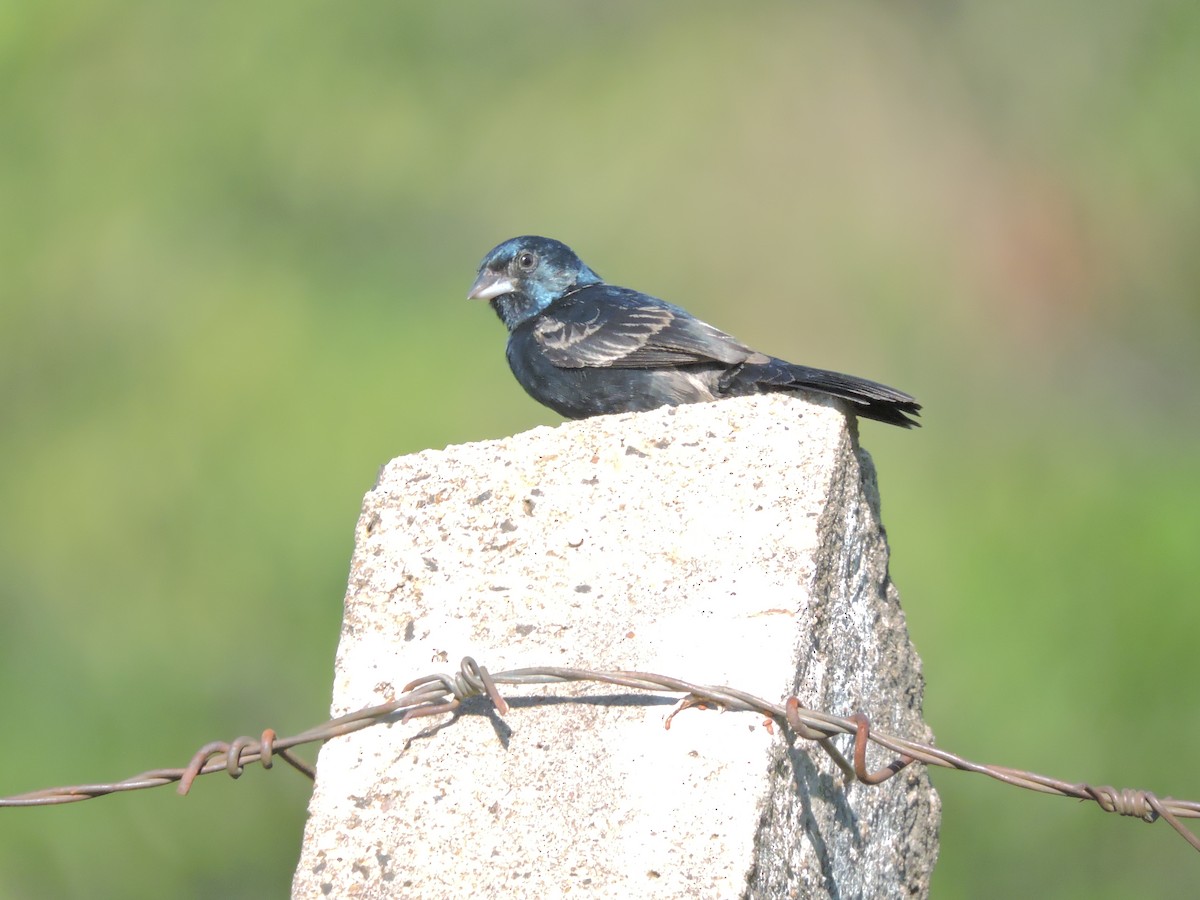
(439, 693)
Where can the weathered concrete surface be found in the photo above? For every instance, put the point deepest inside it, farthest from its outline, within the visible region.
(729, 543)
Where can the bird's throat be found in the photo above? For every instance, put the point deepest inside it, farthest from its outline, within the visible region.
(513, 309)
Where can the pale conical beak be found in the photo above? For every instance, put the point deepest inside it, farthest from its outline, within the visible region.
(489, 285)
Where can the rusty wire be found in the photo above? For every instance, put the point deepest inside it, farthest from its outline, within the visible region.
(441, 693)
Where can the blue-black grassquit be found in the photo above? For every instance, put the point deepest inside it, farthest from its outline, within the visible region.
(586, 348)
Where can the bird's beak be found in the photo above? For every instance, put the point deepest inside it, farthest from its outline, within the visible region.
(489, 285)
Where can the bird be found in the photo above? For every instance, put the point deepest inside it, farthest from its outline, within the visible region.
(584, 347)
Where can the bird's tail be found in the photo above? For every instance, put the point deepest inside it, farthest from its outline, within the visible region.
(868, 399)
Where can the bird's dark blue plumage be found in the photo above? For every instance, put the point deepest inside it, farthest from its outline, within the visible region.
(586, 348)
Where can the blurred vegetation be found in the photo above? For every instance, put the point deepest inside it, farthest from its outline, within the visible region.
(235, 241)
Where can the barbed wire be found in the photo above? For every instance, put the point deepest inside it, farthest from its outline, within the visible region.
(441, 693)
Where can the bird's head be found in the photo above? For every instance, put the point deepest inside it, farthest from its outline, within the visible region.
(524, 275)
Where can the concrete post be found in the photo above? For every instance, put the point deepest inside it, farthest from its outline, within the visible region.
(732, 543)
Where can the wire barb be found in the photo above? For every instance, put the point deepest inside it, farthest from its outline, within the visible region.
(861, 736)
(237, 754)
(472, 680)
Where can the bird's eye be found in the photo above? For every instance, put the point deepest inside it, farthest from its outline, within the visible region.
(527, 260)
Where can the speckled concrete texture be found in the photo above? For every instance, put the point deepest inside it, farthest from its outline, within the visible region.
(729, 543)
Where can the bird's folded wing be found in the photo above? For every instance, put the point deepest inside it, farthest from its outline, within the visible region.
(605, 326)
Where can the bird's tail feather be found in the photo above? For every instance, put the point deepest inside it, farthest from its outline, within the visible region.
(868, 399)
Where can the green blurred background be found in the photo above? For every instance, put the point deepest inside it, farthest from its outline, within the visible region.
(235, 244)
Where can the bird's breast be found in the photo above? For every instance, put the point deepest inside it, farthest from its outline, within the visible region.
(593, 390)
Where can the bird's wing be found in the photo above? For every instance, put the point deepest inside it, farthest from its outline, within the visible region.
(606, 326)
